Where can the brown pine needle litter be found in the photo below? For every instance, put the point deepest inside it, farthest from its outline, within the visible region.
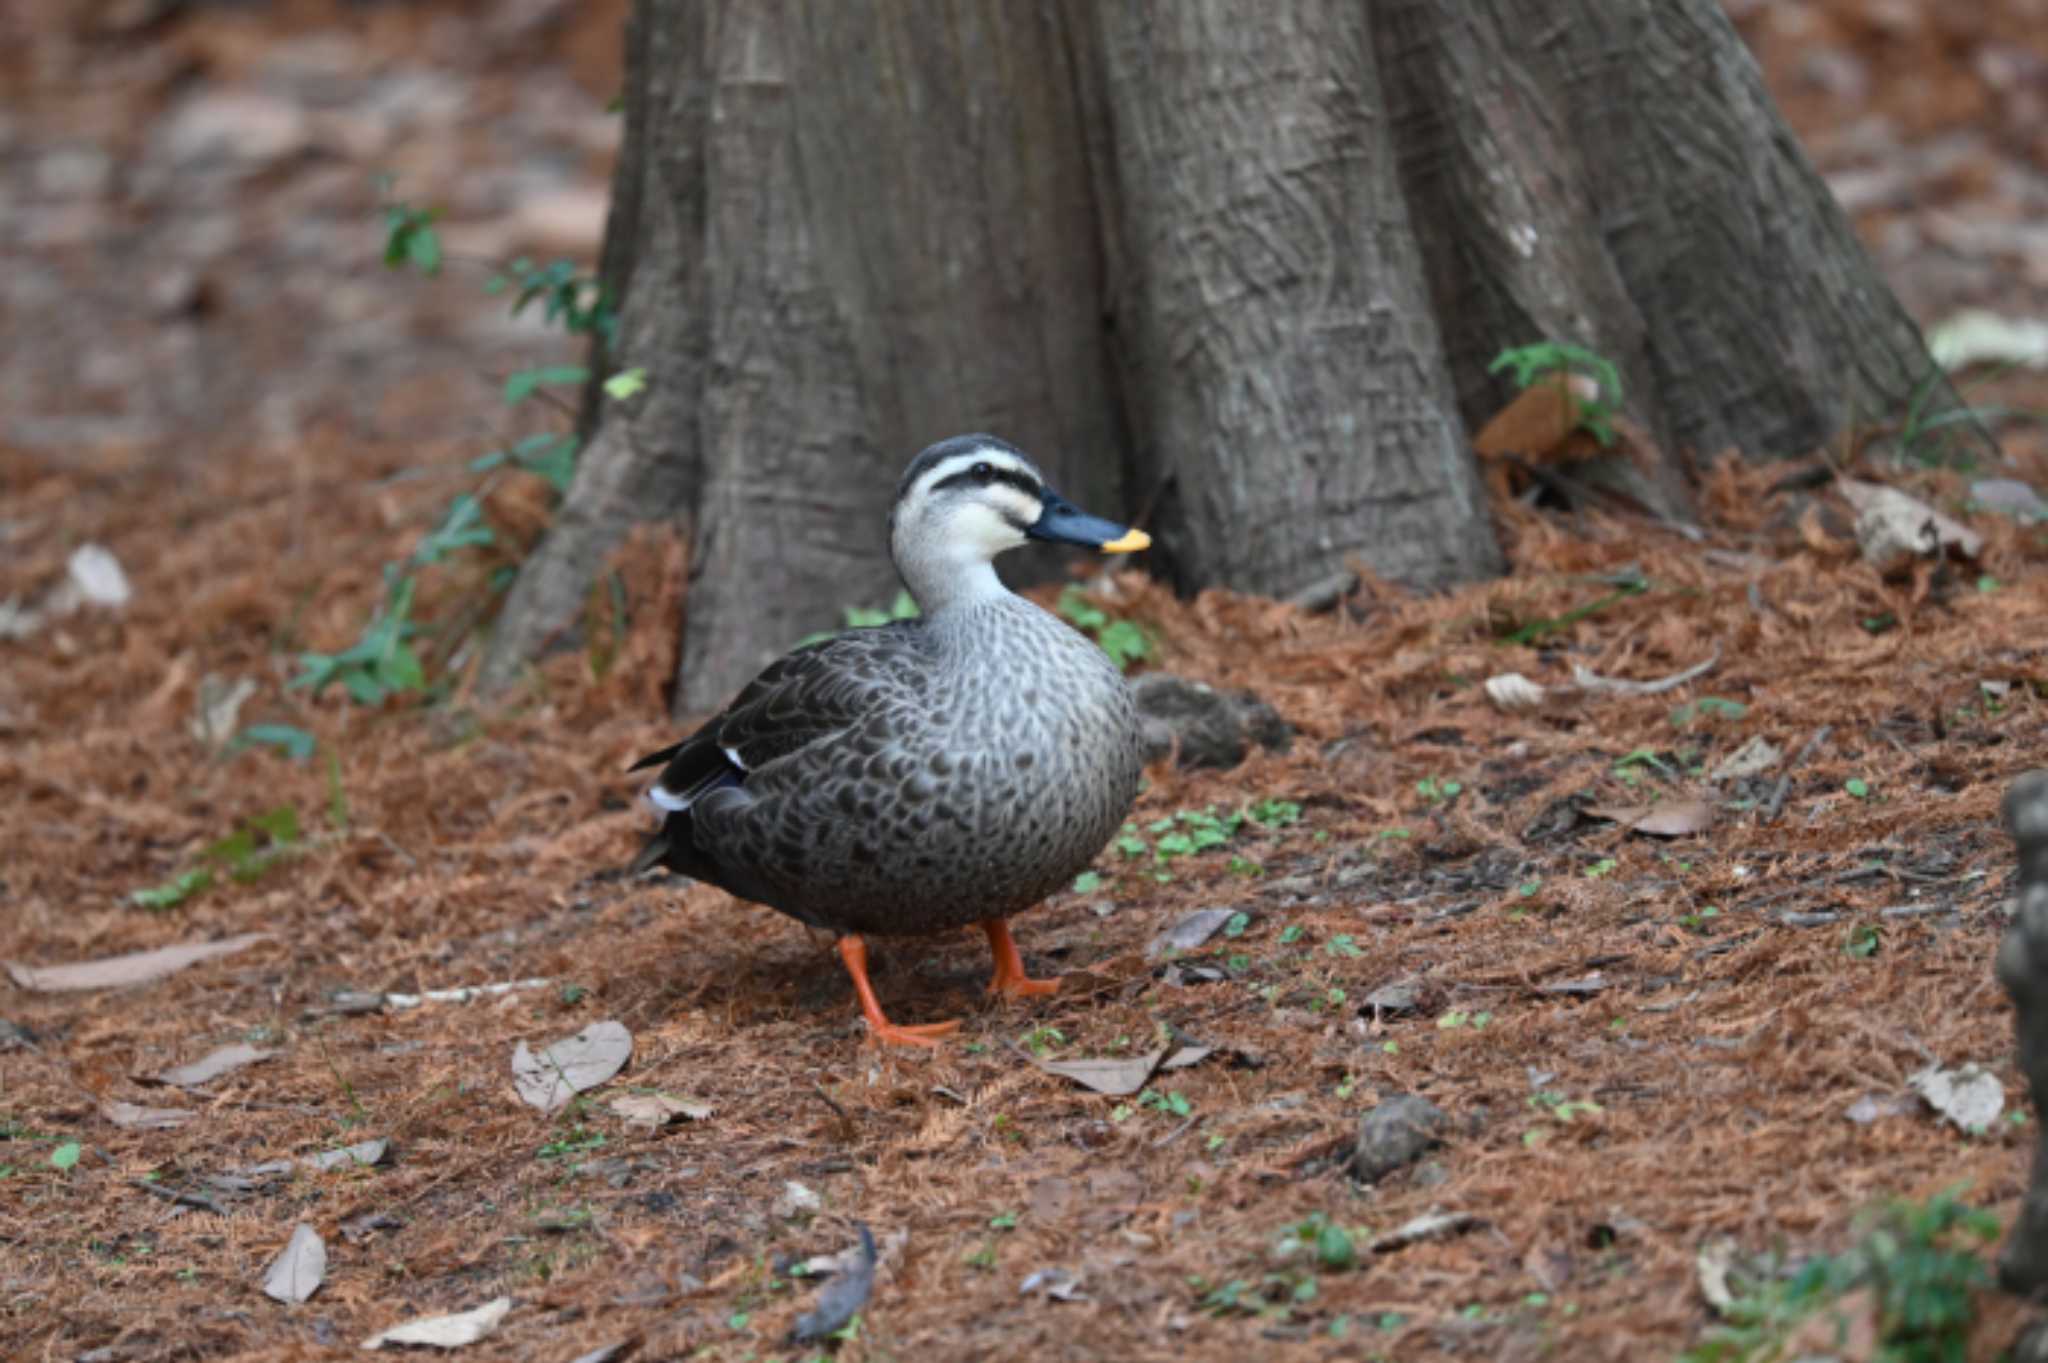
(1641, 1042)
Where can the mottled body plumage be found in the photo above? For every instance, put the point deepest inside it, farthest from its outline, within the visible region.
(927, 774)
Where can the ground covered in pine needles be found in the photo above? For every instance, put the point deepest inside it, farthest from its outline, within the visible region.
(1644, 1045)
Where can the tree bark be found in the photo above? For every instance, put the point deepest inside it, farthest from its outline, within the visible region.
(1238, 276)
(1284, 372)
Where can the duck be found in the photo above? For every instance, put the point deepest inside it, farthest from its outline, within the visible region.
(917, 777)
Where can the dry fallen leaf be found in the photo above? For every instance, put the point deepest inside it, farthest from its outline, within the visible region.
(115, 972)
(218, 708)
(1428, 1226)
(1714, 1262)
(651, 1110)
(298, 1270)
(1665, 819)
(1753, 758)
(557, 1074)
(841, 1299)
(610, 1353)
(204, 1071)
(137, 1118)
(1189, 932)
(1893, 529)
(1120, 1077)
(361, 1155)
(1967, 1095)
(1539, 419)
(445, 1332)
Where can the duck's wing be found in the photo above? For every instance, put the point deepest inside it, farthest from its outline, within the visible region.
(802, 698)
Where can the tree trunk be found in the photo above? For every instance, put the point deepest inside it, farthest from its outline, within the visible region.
(1285, 377)
(1238, 276)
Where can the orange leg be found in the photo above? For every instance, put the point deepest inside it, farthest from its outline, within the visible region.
(854, 953)
(1010, 979)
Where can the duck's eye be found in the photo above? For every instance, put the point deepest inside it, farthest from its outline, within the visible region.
(984, 473)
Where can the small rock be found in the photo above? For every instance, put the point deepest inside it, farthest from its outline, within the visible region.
(798, 1201)
(1059, 1284)
(567, 221)
(1395, 1133)
(1210, 728)
(1324, 593)
(1873, 1107)
(1395, 997)
(76, 172)
(92, 577)
(2010, 497)
(237, 127)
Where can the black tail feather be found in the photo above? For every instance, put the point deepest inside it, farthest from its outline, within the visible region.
(655, 759)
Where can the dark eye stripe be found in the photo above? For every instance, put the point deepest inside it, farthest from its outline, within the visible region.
(1023, 482)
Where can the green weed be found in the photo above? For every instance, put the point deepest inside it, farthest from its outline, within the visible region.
(1530, 363)
(243, 855)
(1125, 641)
(1918, 1261)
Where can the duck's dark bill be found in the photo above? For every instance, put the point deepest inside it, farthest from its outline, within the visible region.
(1064, 523)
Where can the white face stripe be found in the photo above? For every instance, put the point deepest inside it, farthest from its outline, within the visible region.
(967, 459)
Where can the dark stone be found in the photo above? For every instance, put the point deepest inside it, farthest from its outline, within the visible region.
(1208, 728)
(1395, 1133)
(2023, 970)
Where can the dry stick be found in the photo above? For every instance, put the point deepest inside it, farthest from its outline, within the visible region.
(1776, 803)
(181, 1197)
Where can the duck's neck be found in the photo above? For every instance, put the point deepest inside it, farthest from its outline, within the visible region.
(943, 583)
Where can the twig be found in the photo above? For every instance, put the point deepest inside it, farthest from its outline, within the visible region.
(1170, 1137)
(465, 994)
(1776, 803)
(829, 1101)
(1914, 910)
(181, 1197)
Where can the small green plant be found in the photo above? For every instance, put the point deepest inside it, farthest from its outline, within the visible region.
(1530, 363)
(243, 855)
(1274, 813)
(1707, 706)
(1041, 1040)
(1088, 882)
(1174, 1104)
(1558, 1109)
(384, 661)
(1697, 921)
(1857, 787)
(1125, 641)
(1343, 944)
(1863, 941)
(1438, 792)
(1318, 1238)
(295, 743)
(1919, 1262)
(1536, 631)
(65, 1157)
(1003, 1221)
(1602, 868)
(577, 1140)
(904, 607)
(1457, 1018)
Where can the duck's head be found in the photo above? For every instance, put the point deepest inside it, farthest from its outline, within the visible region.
(965, 500)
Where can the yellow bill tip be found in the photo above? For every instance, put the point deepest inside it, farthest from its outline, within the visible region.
(1130, 542)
